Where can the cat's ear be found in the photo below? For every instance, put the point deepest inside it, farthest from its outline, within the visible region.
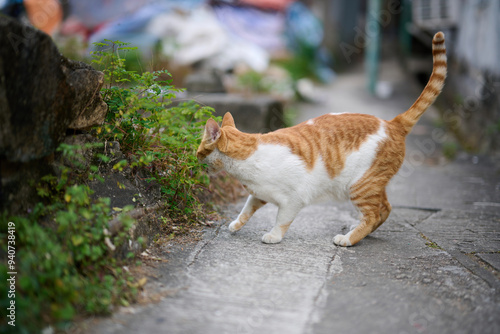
(228, 120)
(212, 131)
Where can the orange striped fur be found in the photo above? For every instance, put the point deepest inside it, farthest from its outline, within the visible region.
(339, 156)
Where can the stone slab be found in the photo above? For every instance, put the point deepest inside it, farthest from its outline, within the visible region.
(253, 114)
(493, 259)
(468, 232)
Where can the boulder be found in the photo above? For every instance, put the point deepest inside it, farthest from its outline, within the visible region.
(88, 104)
(42, 93)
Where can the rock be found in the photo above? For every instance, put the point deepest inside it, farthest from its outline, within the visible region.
(204, 82)
(19, 181)
(83, 157)
(41, 93)
(88, 102)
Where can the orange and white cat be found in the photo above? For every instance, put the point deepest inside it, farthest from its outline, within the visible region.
(335, 156)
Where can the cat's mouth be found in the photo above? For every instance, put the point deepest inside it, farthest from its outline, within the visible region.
(214, 167)
(209, 168)
(212, 170)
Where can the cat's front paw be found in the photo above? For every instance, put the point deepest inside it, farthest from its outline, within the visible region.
(235, 226)
(270, 238)
(342, 240)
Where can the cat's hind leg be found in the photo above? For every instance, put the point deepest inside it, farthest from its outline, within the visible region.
(252, 204)
(285, 217)
(372, 216)
(385, 210)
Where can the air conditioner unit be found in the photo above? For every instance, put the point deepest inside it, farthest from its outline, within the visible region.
(435, 14)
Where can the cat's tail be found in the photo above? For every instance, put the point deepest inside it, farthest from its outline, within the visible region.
(431, 91)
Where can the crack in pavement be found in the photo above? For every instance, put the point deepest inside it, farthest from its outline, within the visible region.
(319, 301)
(201, 245)
(449, 235)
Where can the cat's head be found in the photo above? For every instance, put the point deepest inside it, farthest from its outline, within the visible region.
(207, 152)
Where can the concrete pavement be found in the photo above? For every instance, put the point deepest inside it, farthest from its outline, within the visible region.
(433, 267)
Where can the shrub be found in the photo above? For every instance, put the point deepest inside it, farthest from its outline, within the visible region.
(153, 132)
(64, 258)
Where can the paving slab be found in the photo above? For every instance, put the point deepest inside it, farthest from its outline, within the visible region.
(396, 282)
(468, 232)
(493, 259)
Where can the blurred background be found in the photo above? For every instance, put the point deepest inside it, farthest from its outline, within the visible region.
(286, 48)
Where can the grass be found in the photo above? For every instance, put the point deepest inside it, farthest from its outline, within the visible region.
(430, 243)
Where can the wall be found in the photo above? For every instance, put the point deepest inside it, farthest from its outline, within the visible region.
(473, 86)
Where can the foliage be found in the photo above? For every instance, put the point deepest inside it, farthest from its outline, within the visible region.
(255, 82)
(301, 64)
(153, 133)
(64, 256)
(450, 150)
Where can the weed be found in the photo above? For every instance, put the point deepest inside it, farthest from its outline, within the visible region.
(450, 150)
(154, 133)
(254, 82)
(65, 255)
(301, 64)
(430, 243)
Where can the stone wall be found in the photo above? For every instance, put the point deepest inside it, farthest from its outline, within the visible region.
(43, 95)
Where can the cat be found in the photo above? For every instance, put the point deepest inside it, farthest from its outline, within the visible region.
(343, 156)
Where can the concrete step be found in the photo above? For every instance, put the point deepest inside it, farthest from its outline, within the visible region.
(251, 113)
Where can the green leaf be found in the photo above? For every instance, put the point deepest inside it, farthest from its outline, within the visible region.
(67, 312)
(128, 47)
(77, 240)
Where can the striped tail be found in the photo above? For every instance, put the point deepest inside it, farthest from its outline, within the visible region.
(431, 91)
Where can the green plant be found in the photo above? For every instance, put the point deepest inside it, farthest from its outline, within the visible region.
(450, 150)
(301, 64)
(254, 82)
(65, 255)
(430, 243)
(66, 258)
(154, 133)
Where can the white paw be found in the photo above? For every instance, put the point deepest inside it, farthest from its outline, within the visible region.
(235, 226)
(341, 240)
(269, 238)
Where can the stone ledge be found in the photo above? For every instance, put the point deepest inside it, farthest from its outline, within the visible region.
(258, 113)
